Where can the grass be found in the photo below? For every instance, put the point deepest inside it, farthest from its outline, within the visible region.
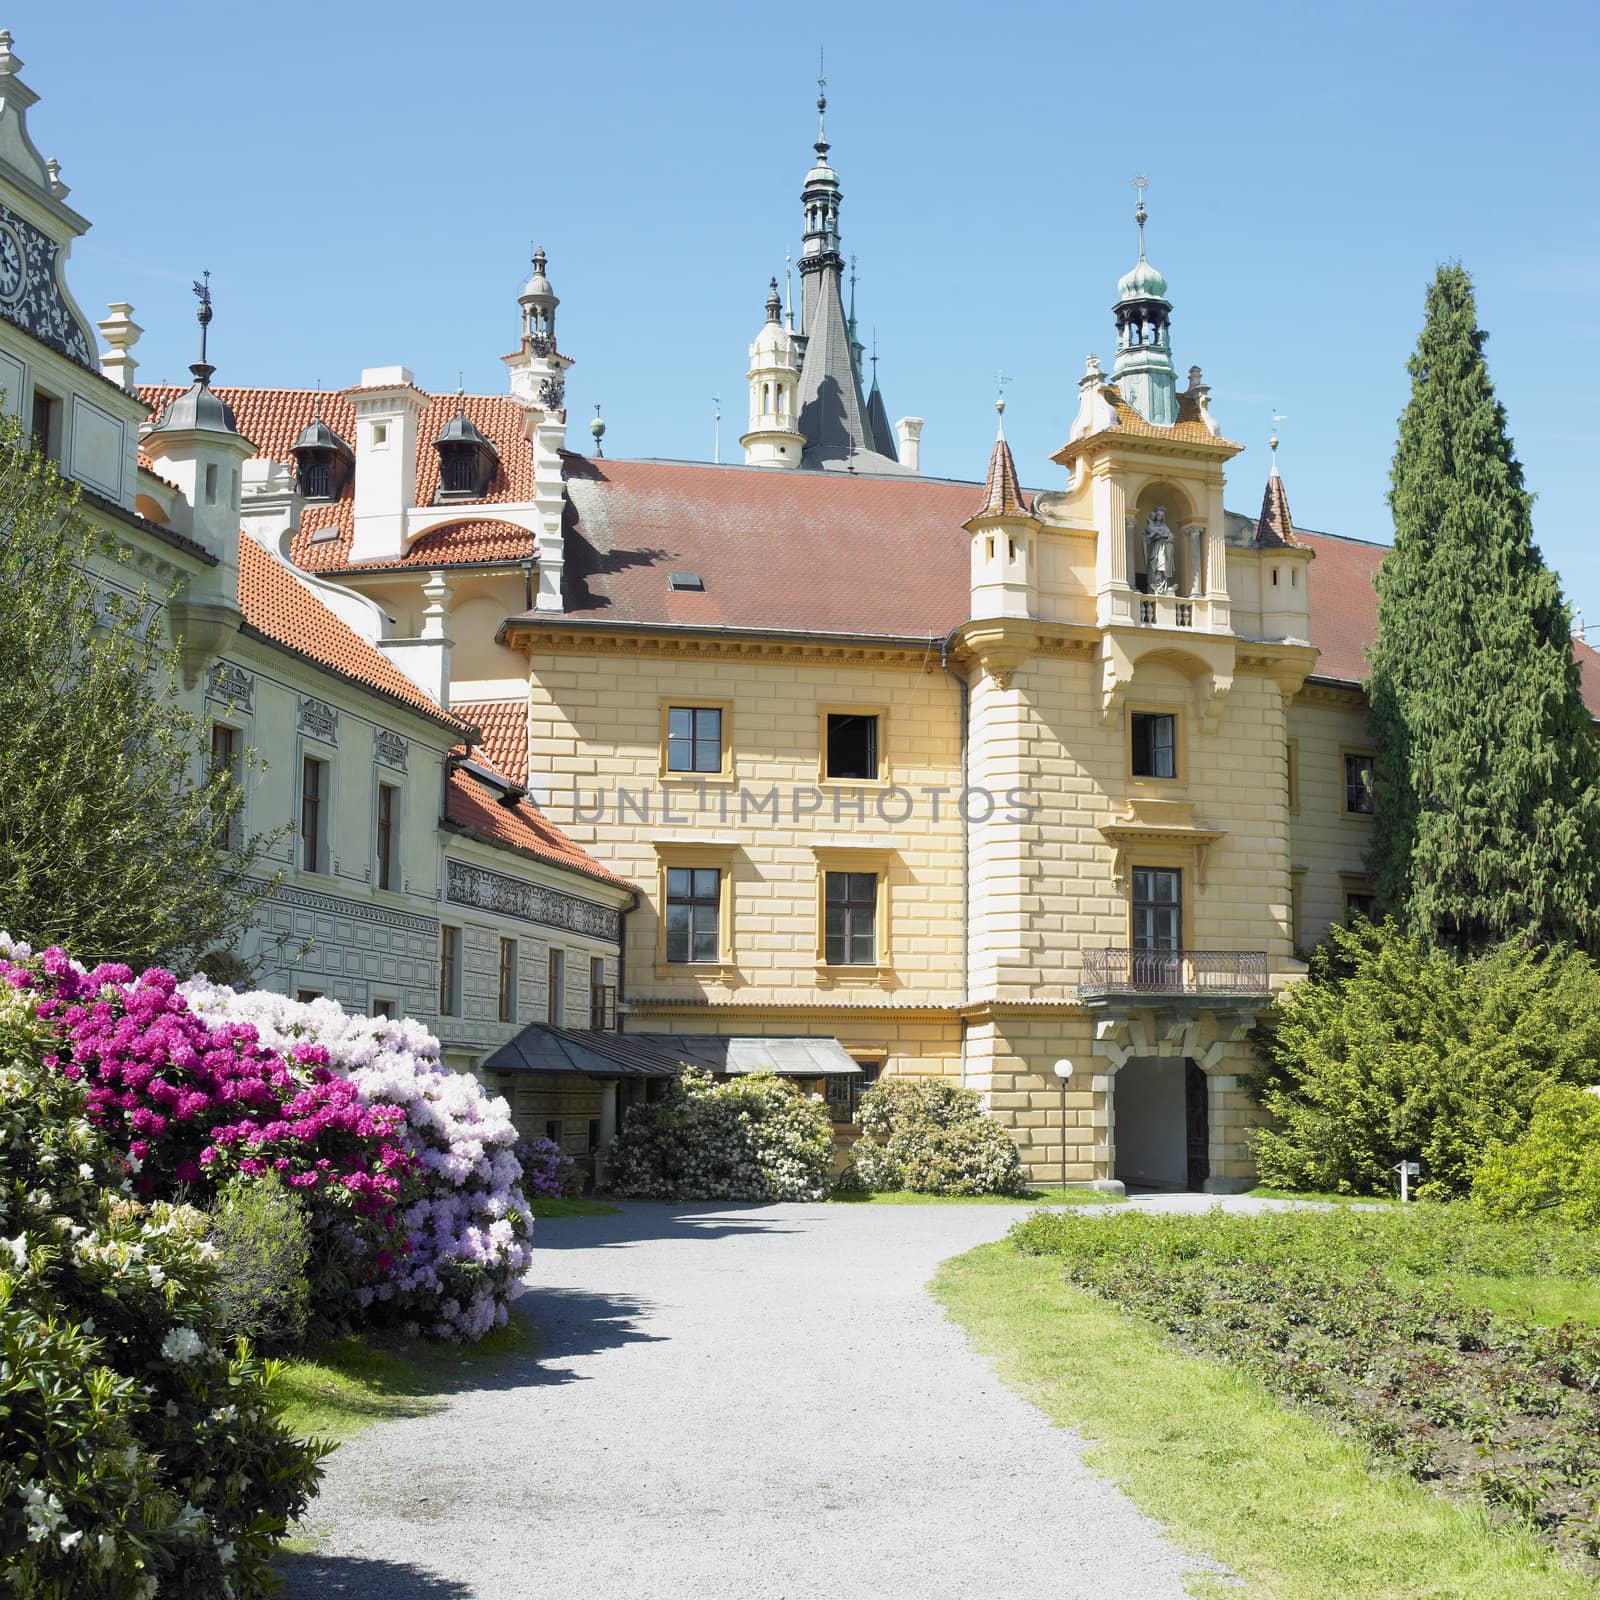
(1546, 1301)
(1034, 1197)
(352, 1383)
(1292, 1510)
(571, 1206)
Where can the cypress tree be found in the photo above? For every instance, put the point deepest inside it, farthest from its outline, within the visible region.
(1488, 806)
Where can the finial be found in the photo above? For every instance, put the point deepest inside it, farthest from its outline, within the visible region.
(716, 436)
(821, 146)
(597, 430)
(202, 289)
(1272, 443)
(1140, 184)
(1000, 382)
(774, 304)
(788, 292)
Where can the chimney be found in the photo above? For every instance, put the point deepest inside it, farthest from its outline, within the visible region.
(909, 432)
(388, 404)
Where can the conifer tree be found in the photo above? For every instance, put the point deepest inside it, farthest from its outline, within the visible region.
(116, 838)
(1488, 808)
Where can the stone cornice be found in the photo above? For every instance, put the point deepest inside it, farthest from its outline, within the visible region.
(643, 641)
(1129, 441)
(1331, 692)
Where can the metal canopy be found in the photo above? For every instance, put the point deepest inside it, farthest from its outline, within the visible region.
(594, 1054)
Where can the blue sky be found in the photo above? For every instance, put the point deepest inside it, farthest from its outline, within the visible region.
(364, 183)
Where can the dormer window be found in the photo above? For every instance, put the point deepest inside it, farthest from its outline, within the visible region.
(323, 461)
(467, 460)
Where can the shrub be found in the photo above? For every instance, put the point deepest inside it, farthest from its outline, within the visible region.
(933, 1138)
(263, 1242)
(1554, 1168)
(466, 1221)
(1392, 1051)
(141, 1458)
(754, 1137)
(547, 1170)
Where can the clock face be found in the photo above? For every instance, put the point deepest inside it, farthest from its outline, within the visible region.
(13, 265)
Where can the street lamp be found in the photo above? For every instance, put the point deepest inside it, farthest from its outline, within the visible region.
(1063, 1071)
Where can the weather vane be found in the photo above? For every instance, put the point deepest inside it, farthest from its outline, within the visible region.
(202, 290)
(1140, 184)
(1272, 443)
(1000, 382)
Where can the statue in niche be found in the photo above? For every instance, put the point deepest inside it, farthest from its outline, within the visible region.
(1160, 559)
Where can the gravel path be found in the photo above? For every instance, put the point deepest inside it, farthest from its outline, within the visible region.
(749, 1402)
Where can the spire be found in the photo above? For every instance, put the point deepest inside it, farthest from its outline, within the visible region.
(1002, 494)
(883, 440)
(202, 369)
(198, 408)
(1275, 527)
(774, 304)
(821, 145)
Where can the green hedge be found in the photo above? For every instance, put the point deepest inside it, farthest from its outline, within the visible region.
(932, 1138)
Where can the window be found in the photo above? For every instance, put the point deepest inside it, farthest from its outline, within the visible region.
(552, 1131)
(1155, 744)
(449, 971)
(555, 983)
(694, 901)
(306, 996)
(1358, 796)
(508, 980)
(852, 746)
(388, 839)
(594, 1134)
(46, 425)
(211, 483)
(380, 435)
(694, 739)
(1157, 908)
(225, 759)
(599, 995)
(314, 814)
(850, 932)
(843, 1090)
(1360, 903)
(1294, 775)
(383, 1008)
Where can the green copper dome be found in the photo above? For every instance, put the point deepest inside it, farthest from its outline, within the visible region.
(1142, 283)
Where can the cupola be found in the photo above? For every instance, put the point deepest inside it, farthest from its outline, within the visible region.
(539, 301)
(467, 460)
(1144, 374)
(323, 461)
(774, 438)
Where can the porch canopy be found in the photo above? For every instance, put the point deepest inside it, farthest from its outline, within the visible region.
(595, 1054)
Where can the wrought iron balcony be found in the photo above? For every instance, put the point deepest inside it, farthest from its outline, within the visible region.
(1181, 974)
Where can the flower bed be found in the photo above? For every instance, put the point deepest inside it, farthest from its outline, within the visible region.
(1325, 1310)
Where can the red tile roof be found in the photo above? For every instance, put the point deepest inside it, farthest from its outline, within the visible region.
(1344, 605)
(274, 418)
(503, 725)
(1275, 526)
(277, 605)
(475, 808)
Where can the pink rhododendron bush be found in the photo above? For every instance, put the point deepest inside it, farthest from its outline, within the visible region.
(407, 1167)
(463, 1206)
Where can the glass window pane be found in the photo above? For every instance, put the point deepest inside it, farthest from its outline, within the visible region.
(1141, 884)
(708, 724)
(863, 886)
(837, 887)
(835, 922)
(705, 944)
(705, 883)
(861, 946)
(707, 756)
(677, 917)
(680, 757)
(680, 722)
(678, 943)
(677, 883)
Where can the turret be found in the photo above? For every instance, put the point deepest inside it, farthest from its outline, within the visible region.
(196, 444)
(1284, 563)
(774, 438)
(1004, 539)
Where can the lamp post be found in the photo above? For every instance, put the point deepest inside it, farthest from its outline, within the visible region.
(1063, 1071)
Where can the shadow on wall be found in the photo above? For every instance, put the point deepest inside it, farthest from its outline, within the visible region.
(316, 1577)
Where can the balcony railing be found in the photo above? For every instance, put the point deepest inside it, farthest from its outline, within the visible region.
(1223, 973)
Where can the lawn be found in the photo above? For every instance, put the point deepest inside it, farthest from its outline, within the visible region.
(351, 1383)
(1034, 1197)
(1292, 1509)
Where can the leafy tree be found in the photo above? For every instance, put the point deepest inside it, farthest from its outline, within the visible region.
(114, 832)
(1394, 1049)
(1488, 807)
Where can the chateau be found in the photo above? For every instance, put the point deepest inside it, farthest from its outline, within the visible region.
(810, 762)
